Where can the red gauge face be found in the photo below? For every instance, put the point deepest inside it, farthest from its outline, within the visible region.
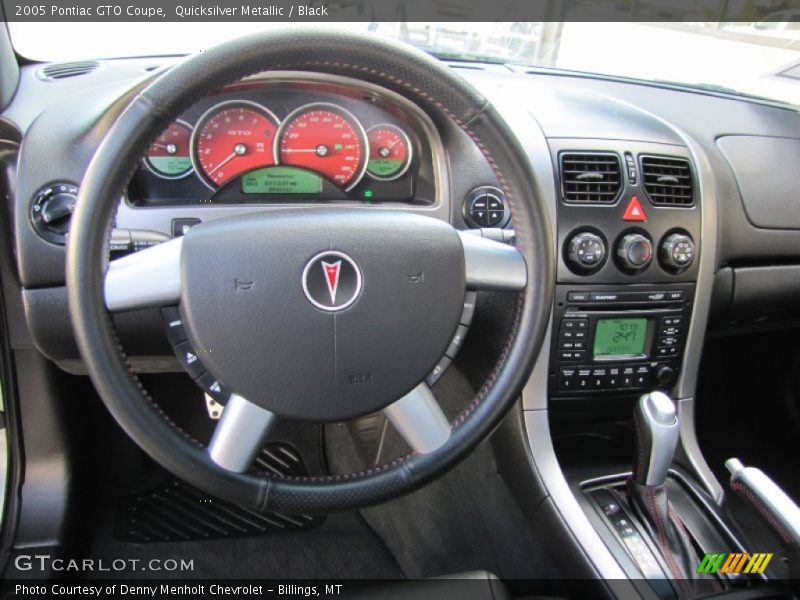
(233, 138)
(169, 155)
(389, 152)
(326, 139)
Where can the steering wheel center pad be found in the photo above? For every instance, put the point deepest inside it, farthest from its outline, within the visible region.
(248, 287)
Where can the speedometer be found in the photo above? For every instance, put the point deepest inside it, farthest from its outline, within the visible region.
(324, 138)
(233, 138)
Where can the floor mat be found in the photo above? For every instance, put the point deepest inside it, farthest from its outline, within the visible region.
(466, 520)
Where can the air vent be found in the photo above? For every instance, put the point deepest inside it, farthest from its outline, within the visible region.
(55, 71)
(668, 181)
(590, 178)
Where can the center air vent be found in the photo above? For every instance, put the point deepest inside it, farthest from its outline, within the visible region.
(668, 181)
(590, 178)
(55, 71)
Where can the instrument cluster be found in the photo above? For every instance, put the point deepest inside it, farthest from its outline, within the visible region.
(287, 142)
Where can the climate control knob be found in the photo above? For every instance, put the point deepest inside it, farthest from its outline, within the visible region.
(634, 252)
(677, 252)
(586, 251)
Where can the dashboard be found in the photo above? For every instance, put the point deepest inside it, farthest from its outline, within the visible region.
(301, 140)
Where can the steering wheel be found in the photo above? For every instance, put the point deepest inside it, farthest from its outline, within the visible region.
(282, 343)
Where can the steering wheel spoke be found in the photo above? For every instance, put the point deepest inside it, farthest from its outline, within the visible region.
(492, 265)
(419, 419)
(150, 277)
(240, 434)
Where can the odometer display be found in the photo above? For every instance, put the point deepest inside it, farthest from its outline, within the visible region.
(169, 155)
(324, 138)
(233, 138)
(281, 181)
(389, 152)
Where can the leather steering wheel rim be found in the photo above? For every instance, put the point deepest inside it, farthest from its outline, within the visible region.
(400, 68)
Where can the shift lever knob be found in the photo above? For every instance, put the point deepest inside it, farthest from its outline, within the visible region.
(657, 433)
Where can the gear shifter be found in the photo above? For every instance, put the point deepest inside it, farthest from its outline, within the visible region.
(657, 432)
(657, 435)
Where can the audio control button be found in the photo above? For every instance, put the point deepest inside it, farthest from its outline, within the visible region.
(574, 324)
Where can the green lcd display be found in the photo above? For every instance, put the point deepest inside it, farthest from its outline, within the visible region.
(619, 337)
(281, 181)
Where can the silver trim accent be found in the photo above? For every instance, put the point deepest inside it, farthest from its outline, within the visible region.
(240, 434)
(338, 307)
(537, 425)
(332, 107)
(492, 265)
(418, 417)
(691, 451)
(781, 507)
(187, 172)
(160, 218)
(409, 154)
(660, 418)
(150, 277)
(198, 168)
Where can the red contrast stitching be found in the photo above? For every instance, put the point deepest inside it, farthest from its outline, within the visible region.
(745, 491)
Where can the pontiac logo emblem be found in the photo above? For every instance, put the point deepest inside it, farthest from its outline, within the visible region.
(331, 281)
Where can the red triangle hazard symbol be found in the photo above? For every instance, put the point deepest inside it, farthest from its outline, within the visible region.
(634, 212)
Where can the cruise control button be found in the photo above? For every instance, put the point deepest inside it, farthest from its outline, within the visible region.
(457, 341)
(438, 371)
(174, 325)
(213, 387)
(190, 360)
(182, 226)
(469, 307)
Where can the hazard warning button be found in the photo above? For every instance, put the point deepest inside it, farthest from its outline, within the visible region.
(634, 211)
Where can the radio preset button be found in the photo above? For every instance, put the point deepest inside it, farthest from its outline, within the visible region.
(568, 378)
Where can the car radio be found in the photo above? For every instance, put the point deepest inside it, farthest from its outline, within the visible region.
(618, 339)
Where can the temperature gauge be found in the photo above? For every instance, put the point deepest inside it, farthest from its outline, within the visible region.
(389, 152)
(169, 156)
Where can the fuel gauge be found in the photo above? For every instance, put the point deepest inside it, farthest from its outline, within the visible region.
(169, 155)
(389, 152)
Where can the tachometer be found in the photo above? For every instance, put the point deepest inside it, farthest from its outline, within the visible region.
(169, 155)
(389, 152)
(324, 138)
(232, 138)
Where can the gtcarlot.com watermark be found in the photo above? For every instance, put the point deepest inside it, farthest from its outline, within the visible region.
(47, 563)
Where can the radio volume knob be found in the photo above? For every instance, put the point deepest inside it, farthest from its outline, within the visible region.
(677, 252)
(664, 375)
(634, 252)
(586, 251)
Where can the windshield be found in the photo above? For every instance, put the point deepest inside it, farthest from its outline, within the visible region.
(760, 58)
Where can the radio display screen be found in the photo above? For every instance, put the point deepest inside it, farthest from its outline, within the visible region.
(621, 338)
